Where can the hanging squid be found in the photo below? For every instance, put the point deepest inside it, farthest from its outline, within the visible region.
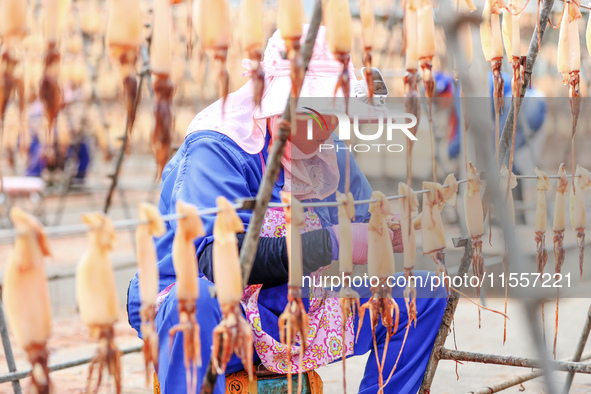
(475, 224)
(97, 297)
(508, 183)
(512, 43)
(25, 293)
(215, 35)
(409, 205)
(367, 15)
(161, 65)
(425, 52)
(432, 227)
(465, 31)
(125, 34)
(380, 264)
(338, 37)
(492, 46)
(189, 227)
(540, 229)
(253, 40)
(577, 210)
(559, 226)
(293, 322)
(290, 17)
(412, 103)
(450, 190)
(233, 334)
(152, 226)
(349, 298)
(569, 65)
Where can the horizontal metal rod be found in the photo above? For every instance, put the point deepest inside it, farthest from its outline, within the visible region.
(515, 380)
(458, 355)
(535, 177)
(9, 377)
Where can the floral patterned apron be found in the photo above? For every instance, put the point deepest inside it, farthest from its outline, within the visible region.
(325, 317)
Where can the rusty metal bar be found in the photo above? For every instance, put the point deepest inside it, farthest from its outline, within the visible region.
(518, 379)
(579, 350)
(513, 361)
(448, 316)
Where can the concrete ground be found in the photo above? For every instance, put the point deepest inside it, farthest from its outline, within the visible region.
(70, 338)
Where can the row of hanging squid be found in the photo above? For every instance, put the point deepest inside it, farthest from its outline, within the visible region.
(25, 283)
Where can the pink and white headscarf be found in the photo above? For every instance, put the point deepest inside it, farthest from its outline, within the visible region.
(307, 176)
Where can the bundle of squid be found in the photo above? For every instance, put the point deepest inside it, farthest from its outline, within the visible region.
(215, 35)
(349, 298)
(124, 37)
(492, 46)
(475, 224)
(410, 204)
(450, 190)
(293, 322)
(161, 64)
(367, 15)
(540, 229)
(233, 334)
(290, 17)
(508, 183)
(412, 101)
(25, 293)
(569, 64)
(338, 37)
(97, 297)
(559, 225)
(187, 288)
(432, 227)
(577, 210)
(253, 40)
(380, 264)
(152, 226)
(425, 53)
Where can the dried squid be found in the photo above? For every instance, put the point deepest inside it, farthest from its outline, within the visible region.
(450, 190)
(290, 19)
(124, 36)
(161, 64)
(409, 205)
(215, 35)
(349, 298)
(540, 229)
(293, 322)
(337, 18)
(577, 210)
(97, 297)
(147, 260)
(425, 53)
(432, 227)
(475, 224)
(380, 264)
(233, 334)
(367, 15)
(253, 40)
(189, 227)
(25, 293)
(492, 46)
(569, 65)
(559, 225)
(508, 183)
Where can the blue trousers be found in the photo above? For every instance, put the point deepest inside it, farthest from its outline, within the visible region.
(406, 379)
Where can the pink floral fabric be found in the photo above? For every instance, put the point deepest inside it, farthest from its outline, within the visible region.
(325, 317)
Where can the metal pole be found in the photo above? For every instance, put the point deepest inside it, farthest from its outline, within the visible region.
(458, 355)
(514, 381)
(579, 350)
(16, 385)
(15, 376)
(448, 316)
